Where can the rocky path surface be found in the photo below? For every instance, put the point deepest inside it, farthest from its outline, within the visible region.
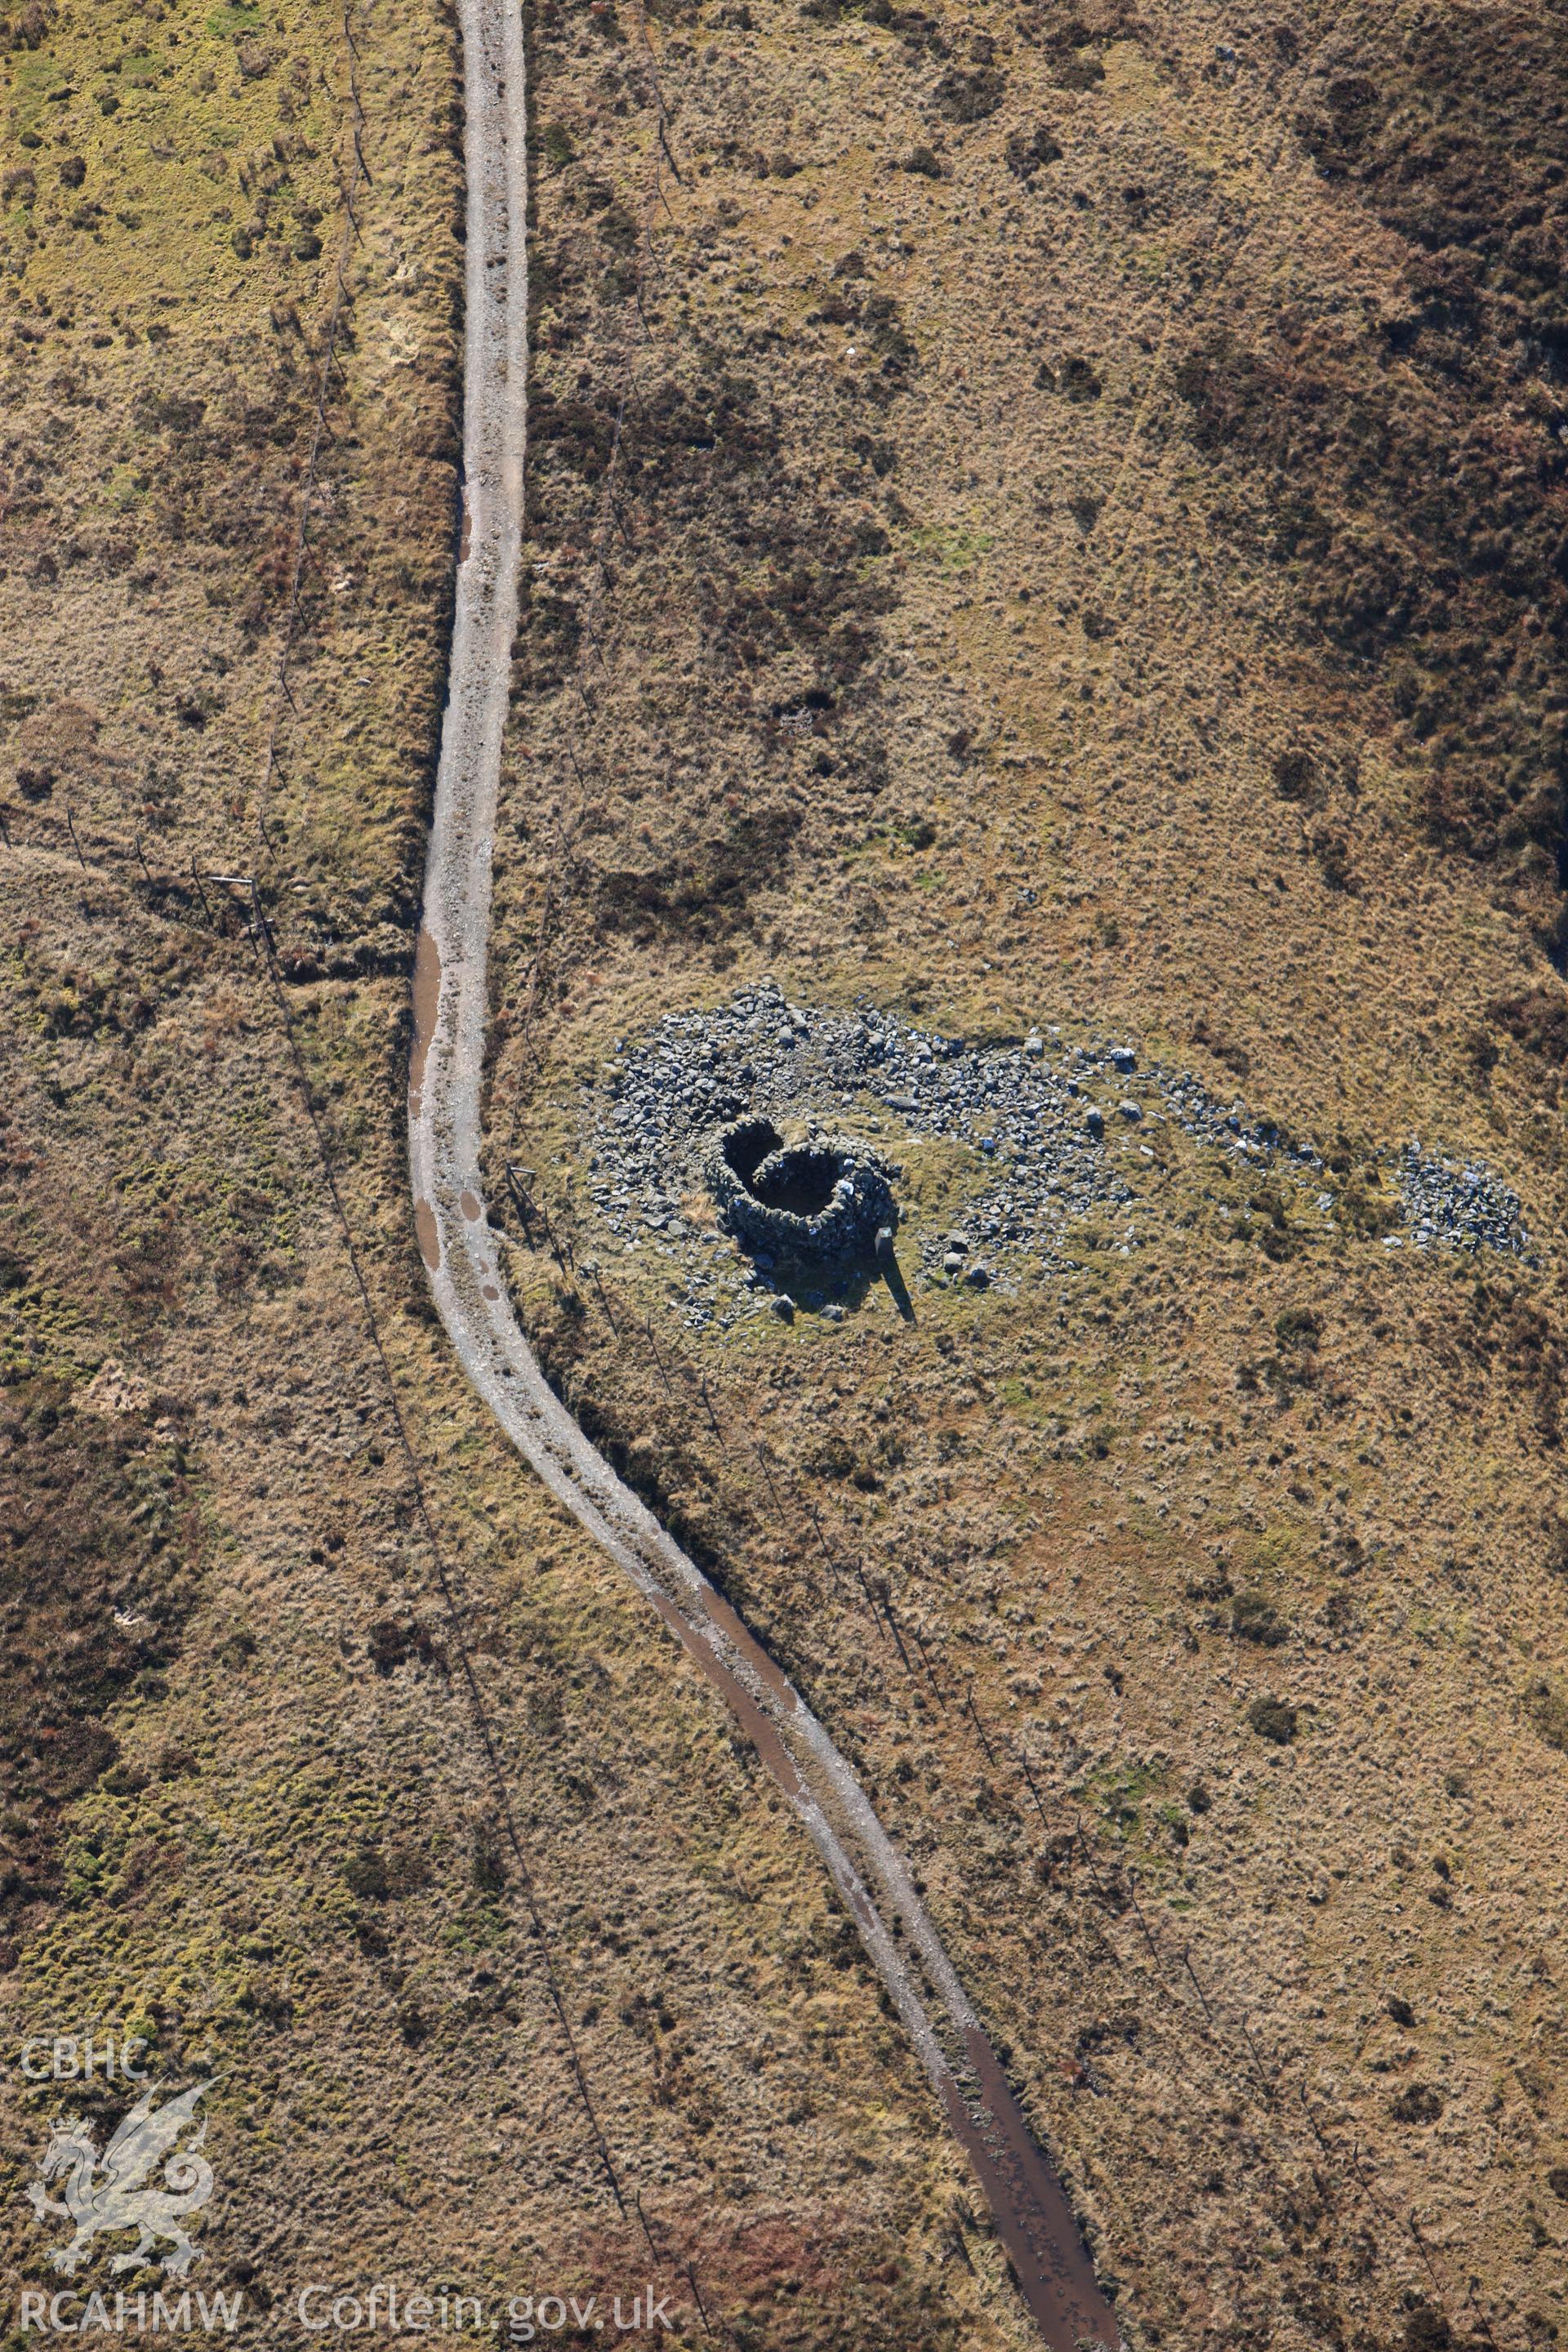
(1033, 2219)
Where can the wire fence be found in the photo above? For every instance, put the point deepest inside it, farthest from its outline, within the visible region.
(1207, 2012)
(242, 903)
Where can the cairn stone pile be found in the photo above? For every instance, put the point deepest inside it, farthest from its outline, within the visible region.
(826, 1198)
(1068, 1133)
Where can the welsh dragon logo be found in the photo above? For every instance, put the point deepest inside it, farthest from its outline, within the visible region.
(114, 2191)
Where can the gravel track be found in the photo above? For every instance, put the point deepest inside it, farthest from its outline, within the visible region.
(1033, 2219)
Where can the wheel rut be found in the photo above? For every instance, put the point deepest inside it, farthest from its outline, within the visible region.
(1034, 2219)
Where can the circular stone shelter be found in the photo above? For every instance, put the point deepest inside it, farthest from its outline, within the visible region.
(825, 1197)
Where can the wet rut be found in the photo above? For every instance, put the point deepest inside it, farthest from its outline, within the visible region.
(1033, 2219)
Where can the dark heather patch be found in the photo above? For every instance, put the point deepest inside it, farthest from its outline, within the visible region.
(838, 2283)
(703, 890)
(97, 1516)
(711, 602)
(1519, 1340)
(1419, 476)
(1539, 1019)
(969, 96)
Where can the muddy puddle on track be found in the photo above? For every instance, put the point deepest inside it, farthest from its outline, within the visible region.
(1034, 2221)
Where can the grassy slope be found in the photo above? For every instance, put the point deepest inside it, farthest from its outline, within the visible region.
(1169, 524)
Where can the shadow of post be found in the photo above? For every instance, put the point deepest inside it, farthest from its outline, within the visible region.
(887, 1264)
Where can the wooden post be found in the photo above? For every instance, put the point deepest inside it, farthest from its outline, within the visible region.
(980, 1727)
(1148, 1932)
(260, 927)
(925, 1661)
(821, 1539)
(893, 1624)
(870, 1598)
(1187, 1964)
(659, 1360)
(1258, 2063)
(519, 1201)
(778, 1499)
(591, 1268)
(707, 1409)
(1024, 1760)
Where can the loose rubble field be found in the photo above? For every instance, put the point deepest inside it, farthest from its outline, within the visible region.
(1048, 1135)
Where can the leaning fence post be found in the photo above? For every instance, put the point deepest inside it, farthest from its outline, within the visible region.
(1024, 1760)
(925, 1661)
(659, 1360)
(259, 925)
(519, 1201)
(980, 1727)
(893, 1623)
(1187, 1964)
(707, 1409)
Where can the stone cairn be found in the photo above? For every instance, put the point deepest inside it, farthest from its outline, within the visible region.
(826, 1198)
